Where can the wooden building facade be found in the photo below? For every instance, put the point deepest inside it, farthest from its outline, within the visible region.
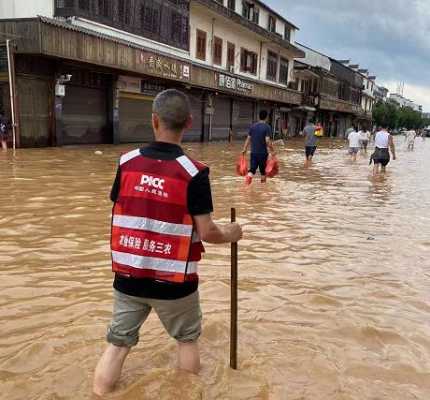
(77, 86)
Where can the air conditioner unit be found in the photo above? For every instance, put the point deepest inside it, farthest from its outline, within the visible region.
(231, 69)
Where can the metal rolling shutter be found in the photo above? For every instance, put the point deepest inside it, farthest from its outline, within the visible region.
(221, 120)
(135, 118)
(195, 133)
(85, 116)
(34, 106)
(243, 117)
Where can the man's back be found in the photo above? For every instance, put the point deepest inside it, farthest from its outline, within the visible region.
(311, 139)
(354, 139)
(258, 134)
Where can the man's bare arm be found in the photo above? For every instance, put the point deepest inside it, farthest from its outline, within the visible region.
(392, 147)
(247, 142)
(211, 232)
(270, 145)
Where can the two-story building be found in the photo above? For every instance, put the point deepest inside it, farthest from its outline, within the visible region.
(86, 71)
(337, 93)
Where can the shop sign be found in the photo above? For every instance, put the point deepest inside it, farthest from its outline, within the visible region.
(164, 67)
(151, 88)
(233, 83)
(129, 84)
(3, 59)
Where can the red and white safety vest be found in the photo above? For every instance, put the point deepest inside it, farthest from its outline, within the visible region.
(153, 235)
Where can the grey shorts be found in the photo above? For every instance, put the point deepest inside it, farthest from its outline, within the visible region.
(181, 318)
(354, 150)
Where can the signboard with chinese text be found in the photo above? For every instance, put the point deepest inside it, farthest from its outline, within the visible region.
(234, 83)
(129, 84)
(164, 67)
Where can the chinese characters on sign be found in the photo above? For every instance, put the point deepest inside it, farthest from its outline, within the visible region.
(150, 246)
(165, 67)
(233, 83)
(155, 192)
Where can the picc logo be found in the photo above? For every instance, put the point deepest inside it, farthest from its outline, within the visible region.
(157, 183)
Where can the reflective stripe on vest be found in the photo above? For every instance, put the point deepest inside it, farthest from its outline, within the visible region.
(156, 264)
(151, 225)
(143, 245)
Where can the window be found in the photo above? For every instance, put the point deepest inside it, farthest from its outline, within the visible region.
(65, 3)
(272, 24)
(231, 56)
(248, 61)
(150, 17)
(104, 8)
(272, 66)
(179, 31)
(283, 71)
(124, 8)
(217, 51)
(287, 33)
(232, 5)
(201, 45)
(249, 11)
(84, 5)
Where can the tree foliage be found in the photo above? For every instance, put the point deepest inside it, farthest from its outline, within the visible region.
(391, 115)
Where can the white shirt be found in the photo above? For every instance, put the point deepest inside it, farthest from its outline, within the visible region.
(365, 135)
(354, 139)
(410, 136)
(382, 139)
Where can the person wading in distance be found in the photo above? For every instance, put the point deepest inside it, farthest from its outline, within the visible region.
(162, 211)
(260, 139)
(383, 144)
(311, 142)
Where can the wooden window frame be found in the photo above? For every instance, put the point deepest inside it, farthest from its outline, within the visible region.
(271, 25)
(217, 50)
(271, 55)
(287, 33)
(282, 63)
(248, 61)
(201, 35)
(231, 61)
(231, 4)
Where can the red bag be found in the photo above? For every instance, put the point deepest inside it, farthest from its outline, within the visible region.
(272, 167)
(242, 166)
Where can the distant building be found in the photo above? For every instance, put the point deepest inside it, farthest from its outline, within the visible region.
(402, 101)
(381, 94)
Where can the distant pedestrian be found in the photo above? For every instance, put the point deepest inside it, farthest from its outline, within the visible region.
(383, 144)
(365, 138)
(311, 141)
(4, 126)
(259, 138)
(348, 131)
(410, 137)
(354, 139)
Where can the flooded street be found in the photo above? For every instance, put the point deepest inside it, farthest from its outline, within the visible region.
(334, 299)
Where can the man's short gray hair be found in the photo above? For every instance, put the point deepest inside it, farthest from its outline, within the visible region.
(173, 108)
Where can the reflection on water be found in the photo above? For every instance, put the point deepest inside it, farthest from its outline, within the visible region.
(334, 281)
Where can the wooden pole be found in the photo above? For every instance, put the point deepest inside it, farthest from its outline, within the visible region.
(233, 316)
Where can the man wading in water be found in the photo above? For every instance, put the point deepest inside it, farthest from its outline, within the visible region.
(311, 142)
(162, 210)
(381, 157)
(260, 139)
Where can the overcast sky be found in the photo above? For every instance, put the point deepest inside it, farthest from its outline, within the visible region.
(391, 38)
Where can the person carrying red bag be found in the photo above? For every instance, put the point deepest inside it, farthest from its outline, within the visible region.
(259, 138)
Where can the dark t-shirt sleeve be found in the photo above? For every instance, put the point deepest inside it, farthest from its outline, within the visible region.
(116, 186)
(269, 131)
(200, 194)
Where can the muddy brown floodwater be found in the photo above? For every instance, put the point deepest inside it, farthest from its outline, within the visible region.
(334, 281)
